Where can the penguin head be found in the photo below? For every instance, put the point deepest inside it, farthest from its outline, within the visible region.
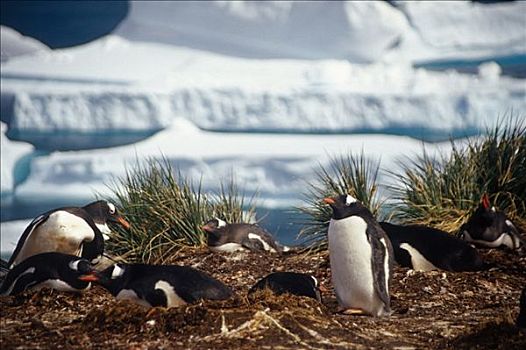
(486, 223)
(112, 278)
(74, 271)
(213, 225)
(102, 211)
(344, 206)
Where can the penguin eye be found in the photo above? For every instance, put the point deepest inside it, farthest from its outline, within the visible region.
(111, 208)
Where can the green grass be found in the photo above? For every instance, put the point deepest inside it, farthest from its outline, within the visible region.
(349, 174)
(442, 192)
(166, 211)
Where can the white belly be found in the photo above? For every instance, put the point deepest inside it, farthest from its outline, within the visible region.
(419, 262)
(351, 265)
(61, 232)
(227, 247)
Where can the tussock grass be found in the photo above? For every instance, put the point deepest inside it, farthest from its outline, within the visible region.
(352, 174)
(166, 211)
(442, 192)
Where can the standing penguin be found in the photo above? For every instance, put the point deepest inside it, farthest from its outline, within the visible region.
(425, 248)
(223, 237)
(159, 285)
(68, 230)
(52, 270)
(361, 258)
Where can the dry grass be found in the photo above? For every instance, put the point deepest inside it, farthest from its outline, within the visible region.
(166, 212)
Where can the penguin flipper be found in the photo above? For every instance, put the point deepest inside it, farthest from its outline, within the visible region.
(156, 298)
(25, 235)
(381, 260)
(20, 284)
(253, 244)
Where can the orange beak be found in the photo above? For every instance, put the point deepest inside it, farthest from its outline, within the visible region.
(92, 277)
(329, 200)
(485, 201)
(124, 223)
(206, 228)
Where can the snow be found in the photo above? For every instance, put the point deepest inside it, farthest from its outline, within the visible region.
(259, 69)
(275, 165)
(11, 152)
(159, 83)
(462, 29)
(359, 31)
(10, 232)
(15, 44)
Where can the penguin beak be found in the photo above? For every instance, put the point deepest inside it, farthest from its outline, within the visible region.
(207, 228)
(485, 201)
(123, 222)
(91, 277)
(329, 201)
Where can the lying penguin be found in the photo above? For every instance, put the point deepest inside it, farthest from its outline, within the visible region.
(159, 285)
(295, 283)
(424, 248)
(488, 227)
(361, 258)
(48, 270)
(223, 237)
(69, 230)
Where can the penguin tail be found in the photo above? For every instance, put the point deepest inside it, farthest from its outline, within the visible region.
(4, 269)
(286, 250)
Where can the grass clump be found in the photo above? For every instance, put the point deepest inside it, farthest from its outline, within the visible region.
(166, 211)
(442, 192)
(352, 174)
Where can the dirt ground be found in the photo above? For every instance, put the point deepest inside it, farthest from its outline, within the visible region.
(432, 310)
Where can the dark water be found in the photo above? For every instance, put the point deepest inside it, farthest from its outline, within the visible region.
(511, 65)
(63, 23)
(74, 141)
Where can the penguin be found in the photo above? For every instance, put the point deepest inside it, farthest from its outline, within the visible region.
(159, 285)
(521, 318)
(424, 248)
(69, 230)
(295, 283)
(52, 270)
(223, 237)
(490, 228)
(361, 258)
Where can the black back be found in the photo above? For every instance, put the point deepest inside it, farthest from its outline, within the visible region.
(438, 247)
(46, 266)
(289, 282)
(375, 234)
(90, 251)
(189, 283)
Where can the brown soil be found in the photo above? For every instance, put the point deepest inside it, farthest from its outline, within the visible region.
(432, 310)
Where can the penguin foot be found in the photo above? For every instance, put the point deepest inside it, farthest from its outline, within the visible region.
(351, 311)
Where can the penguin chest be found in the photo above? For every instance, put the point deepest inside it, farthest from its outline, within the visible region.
(351, 262)
(61, 232)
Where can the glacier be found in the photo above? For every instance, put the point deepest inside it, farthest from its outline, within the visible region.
(264, 90)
